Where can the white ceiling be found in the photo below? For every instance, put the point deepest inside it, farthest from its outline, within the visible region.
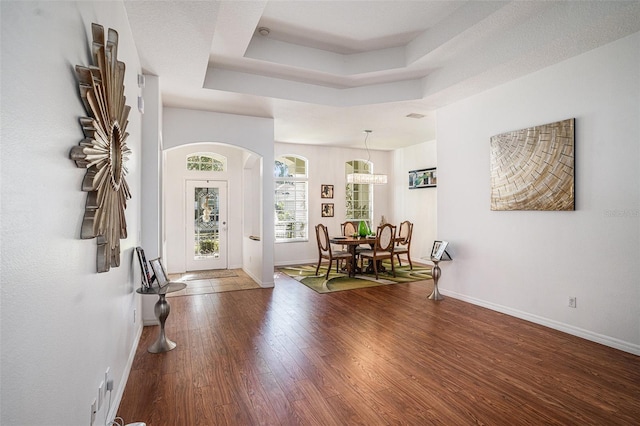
(330, 69)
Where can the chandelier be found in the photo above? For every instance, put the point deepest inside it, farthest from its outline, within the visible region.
(367, 178)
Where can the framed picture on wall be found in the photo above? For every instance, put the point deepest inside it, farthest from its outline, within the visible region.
(327, 209)
(326, 191)
(423, 178)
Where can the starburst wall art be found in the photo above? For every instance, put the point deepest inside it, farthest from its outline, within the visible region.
(103, 151)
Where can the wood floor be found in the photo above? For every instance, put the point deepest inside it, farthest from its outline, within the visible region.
(373, 356)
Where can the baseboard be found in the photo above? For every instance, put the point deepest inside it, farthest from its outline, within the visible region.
(556, 325)
(258, 280)
(125, 377)
(297, 262)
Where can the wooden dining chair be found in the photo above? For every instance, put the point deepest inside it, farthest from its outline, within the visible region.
(403, 246)
(348, 229)
(382, 249)
(325, 251)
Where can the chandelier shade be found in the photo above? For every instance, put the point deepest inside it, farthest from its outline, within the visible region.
(367, 178)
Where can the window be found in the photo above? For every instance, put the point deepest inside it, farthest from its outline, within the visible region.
(207, 162)
(291, 188)
(359, 196)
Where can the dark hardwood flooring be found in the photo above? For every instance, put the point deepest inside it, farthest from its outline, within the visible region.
(373, 356)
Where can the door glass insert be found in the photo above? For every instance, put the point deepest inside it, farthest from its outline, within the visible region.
(206, 223)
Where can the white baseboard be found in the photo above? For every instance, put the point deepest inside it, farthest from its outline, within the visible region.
(297, 262)
(125, 377)
(556, 325)
(258, 281)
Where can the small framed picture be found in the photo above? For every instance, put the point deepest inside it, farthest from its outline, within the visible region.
(158, 270)
(147, 278)
(439, 248)
(327, 209)
(326, 191)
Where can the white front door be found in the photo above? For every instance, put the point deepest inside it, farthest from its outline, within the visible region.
(206, 224)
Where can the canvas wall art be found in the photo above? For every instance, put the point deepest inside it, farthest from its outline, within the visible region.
(533, 168)
(423, 178)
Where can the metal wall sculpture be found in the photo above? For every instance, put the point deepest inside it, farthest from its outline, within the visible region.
(533, 169)
(103, 151)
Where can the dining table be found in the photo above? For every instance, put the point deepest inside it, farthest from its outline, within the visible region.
(352, 243)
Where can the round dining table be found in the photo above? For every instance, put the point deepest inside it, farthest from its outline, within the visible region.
(352, 243)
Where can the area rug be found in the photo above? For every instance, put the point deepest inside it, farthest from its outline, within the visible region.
(207, 275)
(213, 281)
(306, 274)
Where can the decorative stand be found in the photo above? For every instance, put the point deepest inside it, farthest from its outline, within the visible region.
(162, 309)
(436, 272)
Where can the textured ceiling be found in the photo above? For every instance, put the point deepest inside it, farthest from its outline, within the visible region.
(327, 70)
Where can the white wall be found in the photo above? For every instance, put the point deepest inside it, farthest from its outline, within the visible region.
(528, 263)
(326, 166)
(183, 127)
(63, 324)
(151, 169)
(174, 192)
(418, 206)
(151, 211)
(251, 180)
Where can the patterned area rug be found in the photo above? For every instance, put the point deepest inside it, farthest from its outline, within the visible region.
(306, 274)
(213, 281)
(207, 275)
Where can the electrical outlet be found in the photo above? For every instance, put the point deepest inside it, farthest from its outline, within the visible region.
(100, 395)
(94, 411)
(107, 378)
(573, 302)
(108, 381)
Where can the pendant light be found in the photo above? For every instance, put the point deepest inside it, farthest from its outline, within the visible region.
(367, 178)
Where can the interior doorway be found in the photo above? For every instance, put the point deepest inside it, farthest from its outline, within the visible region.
(206, 225)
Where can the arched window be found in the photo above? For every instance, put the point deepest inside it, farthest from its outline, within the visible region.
(359, 196)
(291, 207)
(207, 162)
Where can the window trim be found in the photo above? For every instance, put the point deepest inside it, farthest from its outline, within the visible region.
(304, 178)
(366, 166)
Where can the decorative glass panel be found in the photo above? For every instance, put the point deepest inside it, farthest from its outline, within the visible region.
(206, 223)
(207, 162)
